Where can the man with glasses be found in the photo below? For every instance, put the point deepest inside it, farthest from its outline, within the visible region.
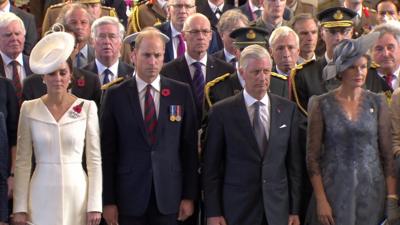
(307, 80)
(179, 11)
(196, 67)
(387, 10)
(107, 34)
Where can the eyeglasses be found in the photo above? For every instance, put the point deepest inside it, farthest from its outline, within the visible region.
(182, 6)
(390, 13)
(197, 32)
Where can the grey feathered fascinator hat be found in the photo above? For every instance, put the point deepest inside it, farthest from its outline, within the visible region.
(347, 52)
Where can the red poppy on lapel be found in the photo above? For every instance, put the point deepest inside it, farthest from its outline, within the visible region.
(165, 92)
(81, 82)
(78, 108)
(366, 11)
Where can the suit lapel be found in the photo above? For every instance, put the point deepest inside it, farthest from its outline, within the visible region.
(163, 110)
(2, 71)
(135, 106)
(26, 65)
(274, 119)
(169, 46)
(210, 69)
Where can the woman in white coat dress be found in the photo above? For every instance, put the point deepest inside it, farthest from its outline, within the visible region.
(56, 128)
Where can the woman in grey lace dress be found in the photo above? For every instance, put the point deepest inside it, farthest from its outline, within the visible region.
(349, 156)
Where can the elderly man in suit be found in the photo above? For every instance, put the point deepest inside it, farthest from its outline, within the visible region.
(107, 33)
(14, 65)
(148, 141)
(252, 166)
(196, 67)
(76, 19)
(28, 21)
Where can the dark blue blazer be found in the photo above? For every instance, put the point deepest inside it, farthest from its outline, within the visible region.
(132, 165)
(165, 28)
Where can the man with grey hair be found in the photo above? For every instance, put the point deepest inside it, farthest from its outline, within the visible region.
(149, 143)
(107, 33)
(230, 21)
(386, 54)
(306, 27)
(251, 156)
(76, 19)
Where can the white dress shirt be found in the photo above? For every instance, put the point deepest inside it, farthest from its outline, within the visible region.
(8, 67)
(265, 109)
(155, 92)
(113, 68)
(214, 7)
(175, 40)
(395, 79)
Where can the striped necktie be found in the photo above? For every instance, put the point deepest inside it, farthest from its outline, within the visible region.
(150, 115)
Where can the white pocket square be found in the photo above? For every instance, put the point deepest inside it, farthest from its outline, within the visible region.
(283, 126)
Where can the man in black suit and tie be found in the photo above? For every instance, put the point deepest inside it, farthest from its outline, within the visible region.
(149, 143)
(253, 9)
(196, 68)
(252, 166)
(28, 19)
(107, 33)
(213, 9)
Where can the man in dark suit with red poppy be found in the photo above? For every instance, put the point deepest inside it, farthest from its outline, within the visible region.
(149, 143)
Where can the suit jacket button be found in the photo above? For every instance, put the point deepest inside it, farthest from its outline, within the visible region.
(264, 181)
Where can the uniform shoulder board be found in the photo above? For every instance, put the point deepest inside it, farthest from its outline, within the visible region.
(58, 5)
(112, 83)
(140, 2)
(301, 65)
(375, 65)
(280, 76)
(211, 84)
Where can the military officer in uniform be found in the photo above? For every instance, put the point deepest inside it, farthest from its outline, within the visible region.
(147, 13)
(94, 7)
(336, 25)
(230, 84)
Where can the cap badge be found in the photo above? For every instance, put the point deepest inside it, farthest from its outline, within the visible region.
(338, 15)
(251, 35)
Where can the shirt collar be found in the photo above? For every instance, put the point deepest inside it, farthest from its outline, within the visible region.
(396, 73)
(7, 60)
(113, 68)
(228, 55)
(174, 32)
(141, 84)
(214, 7)
(328, 60)
(280, 71)
(84, 51)
(253, 8)
(190, 60)
(6, 8)
(249, 100)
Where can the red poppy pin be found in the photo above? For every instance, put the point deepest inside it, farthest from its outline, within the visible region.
(81, 82)
(165, 92)
(76, 110)
(366, 11)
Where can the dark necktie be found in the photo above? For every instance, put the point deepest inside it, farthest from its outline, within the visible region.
(258, 13)
(106, 78)
(16, 79)
(181, 46)
(218, 13)
(258, 128)
(198, 83)
(389, 78)
(233, 62)
(150, 116)
(78, 59)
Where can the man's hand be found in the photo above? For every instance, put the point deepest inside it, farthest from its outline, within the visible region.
(216, 220)
(20, 218)
(110, 214)
(185, 209)
(294, 220)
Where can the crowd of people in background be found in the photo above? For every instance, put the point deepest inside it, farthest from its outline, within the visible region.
(199, 112)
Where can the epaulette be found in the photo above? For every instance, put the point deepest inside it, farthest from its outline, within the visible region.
(58, 5)
(211, 84)
(301, 65)
(375, 65)
(112, 83)
(111, 10)
(135, 19)
(280, 76)
(140, 2)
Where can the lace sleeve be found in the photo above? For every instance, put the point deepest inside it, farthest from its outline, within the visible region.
(395, 114)
(314, 137)
(385, 137)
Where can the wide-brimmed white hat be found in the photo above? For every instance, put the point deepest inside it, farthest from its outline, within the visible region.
(50, 52)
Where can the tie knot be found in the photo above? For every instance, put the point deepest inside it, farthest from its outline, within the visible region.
(107, 72)
(148, 87)
(197, 65)
(257, 105)
(14, 63)
(180, 37)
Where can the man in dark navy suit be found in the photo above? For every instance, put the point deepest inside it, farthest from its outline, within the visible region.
(149, 143)
(107, 33)
(196, 67)
(252, 164)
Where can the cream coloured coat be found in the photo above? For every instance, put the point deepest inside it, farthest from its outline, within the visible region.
(59, 191)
